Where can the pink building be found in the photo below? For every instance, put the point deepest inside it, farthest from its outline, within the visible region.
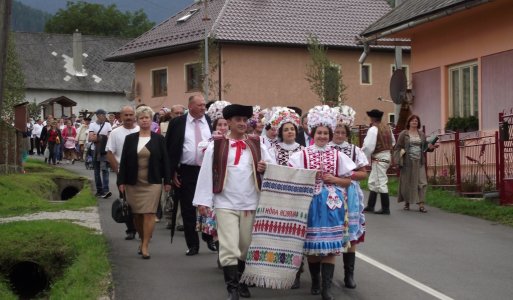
(263, 53)
(461, 57)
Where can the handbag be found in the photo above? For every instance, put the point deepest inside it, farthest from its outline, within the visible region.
(120, 210)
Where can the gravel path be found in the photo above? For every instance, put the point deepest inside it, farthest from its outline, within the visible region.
(87, 217)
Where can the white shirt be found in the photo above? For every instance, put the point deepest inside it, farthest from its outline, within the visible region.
(369, 143)
(36, 132)
(189, 140)
(239, 191)
(95, 127)
(117, 139)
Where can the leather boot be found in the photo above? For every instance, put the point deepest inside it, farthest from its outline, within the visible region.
(315, 272)
(385, 205)
(243, 288)
(297, 281)
(349, 259)
(231, 279)
(218, 261)
(372, 202)
(327, 277)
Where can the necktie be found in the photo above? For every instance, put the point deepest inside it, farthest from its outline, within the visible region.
(240, 146)
(197, 139)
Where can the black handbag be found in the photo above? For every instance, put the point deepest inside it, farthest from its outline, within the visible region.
(120, 210)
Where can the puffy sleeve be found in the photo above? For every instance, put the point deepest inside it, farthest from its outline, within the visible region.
(265, 153)
(360, 158)
(203, 194)
(296, 160)
(345, 165)
(369, 143)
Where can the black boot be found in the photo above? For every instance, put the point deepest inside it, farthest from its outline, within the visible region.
(297, 281)
(218, 261)
(243, 288)
(231, 278)
(385, 205)
(327, 276)
(372, 201)
(315, 272)
(349, 259)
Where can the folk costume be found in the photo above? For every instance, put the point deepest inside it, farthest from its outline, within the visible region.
(280, 151)
(377, 146)
(327, 228)
(231, 184)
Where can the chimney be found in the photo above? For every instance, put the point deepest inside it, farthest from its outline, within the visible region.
(77, 53)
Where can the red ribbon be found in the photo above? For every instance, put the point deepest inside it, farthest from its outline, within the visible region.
(240, 146)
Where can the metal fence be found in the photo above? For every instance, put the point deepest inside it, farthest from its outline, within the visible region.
(505, 156)
(12, 145)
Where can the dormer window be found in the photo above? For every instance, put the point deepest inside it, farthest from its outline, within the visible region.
(187, 16)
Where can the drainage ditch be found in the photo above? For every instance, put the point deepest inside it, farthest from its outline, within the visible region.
(28, 279)
(67, 188)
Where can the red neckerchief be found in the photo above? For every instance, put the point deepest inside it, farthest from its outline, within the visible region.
(240, 146)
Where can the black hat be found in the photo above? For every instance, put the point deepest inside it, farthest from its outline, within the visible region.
(296, 109)
(375, 113)
(101, 112)
(87, 119)
(233, 110)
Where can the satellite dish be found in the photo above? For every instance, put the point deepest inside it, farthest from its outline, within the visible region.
(398, 86)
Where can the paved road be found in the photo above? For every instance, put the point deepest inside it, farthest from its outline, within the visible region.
(407, 255)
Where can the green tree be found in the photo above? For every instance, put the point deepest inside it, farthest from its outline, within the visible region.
(324, 76)
(97, 19)
(14, 85)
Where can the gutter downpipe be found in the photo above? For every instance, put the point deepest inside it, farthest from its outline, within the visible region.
(367, 41)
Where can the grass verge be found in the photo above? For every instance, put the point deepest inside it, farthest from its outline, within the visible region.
(74, 257)
(29, 192)
(450, 202)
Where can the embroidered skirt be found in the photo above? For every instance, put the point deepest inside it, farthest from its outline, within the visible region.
(327, 229)
(355, 213)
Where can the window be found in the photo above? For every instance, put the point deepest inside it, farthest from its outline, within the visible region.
(332, 84)
(406, 71)
(391, 118)
(187, 16)
(159, 81)
(463, 90)
(193, 76)
(365, 74)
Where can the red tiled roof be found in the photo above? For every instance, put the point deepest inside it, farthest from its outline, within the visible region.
(334, 22)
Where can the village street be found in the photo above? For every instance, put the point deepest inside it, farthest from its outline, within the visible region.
(407, 255)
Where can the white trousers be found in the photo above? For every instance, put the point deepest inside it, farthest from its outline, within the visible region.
(234, 228)
(378, 179)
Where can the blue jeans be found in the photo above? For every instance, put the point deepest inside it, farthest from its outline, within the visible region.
(101, 169)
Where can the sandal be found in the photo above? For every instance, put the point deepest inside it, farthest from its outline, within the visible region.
(406, 206)
(422, 209)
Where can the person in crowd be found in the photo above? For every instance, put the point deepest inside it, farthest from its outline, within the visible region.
(98, 134)
(82, 137)
(254, 121)
(183, 136)
(177, 110)
(327, 232)
(29, 135)
(355, 205)
(409, 151)
(114, 150)
(69, 136)
(44, 137)
(36, 134)
(377, 146)
(53, 140)
(270, 136)
(234, 193)
(143, 169)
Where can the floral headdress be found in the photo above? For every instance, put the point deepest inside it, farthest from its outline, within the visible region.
(345, 114)
(282, 115)
(322, 115)
(256, 116)
(215, 111)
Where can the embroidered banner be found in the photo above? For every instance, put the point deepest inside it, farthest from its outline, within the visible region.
(279, 231)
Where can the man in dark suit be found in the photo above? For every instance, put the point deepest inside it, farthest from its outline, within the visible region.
(182, 138)
(303, 136)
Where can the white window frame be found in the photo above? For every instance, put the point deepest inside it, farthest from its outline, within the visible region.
(390, 115)
(185, 76)
(460, 67)
(151, 81)
(370, 74)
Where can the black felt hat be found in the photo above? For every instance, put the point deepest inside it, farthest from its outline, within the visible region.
(296, 109)
(233, 110)
(375, 113)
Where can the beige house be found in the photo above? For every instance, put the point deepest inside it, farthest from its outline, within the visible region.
(263, 50)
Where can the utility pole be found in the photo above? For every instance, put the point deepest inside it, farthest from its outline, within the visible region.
(398, 66)
(206, 86)
(5, 19)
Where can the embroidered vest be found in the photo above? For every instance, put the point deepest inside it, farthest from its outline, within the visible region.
(283, 155)
(325, 161)
(347, 149)
(384, 139)
(220, 160)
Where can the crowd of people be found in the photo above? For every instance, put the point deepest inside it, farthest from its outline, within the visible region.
(227, 147)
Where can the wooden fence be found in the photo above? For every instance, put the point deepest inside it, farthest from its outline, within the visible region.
(12, 145)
